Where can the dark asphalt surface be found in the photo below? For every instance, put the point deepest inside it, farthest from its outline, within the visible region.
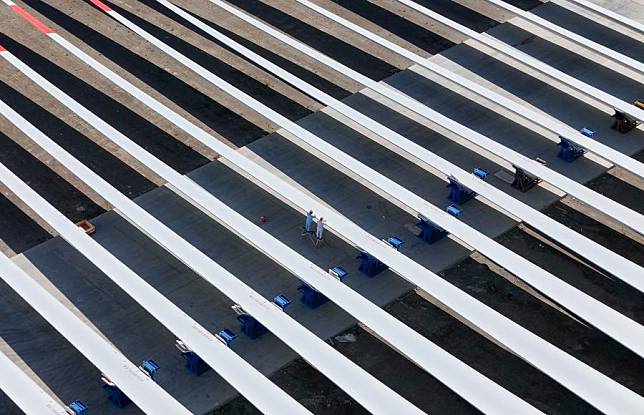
(57, 191)
(246, 83)
(405, 29)
(17, 229)
(339, 50)
(590, 29)
(221, 119)
(587, 344)
(292, 67)
(140, 130)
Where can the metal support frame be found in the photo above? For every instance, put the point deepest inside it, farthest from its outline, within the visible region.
(311, 297)
(114, 393)
(196, 365)
(458, 193)
(250, 326)
(523, 180)
(369, 264)
(429, 232)
(622, 122)
(568, 151)
(150, 367)
(77, 408)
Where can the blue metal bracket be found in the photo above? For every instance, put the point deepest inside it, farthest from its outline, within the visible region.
(226, 336)
(114, 394)
(370, 265)
(282, 301)
(569, 151)
(429, 232)
(250, 326)
(339, 273)
(310, 296)
(457, 192)
(150, 367)
(395, 242)
(194, 363)
(454, 210)
(480, 173)
(77, 408)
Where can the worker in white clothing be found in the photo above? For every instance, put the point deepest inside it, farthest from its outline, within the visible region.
(320, 229)
(308, 225)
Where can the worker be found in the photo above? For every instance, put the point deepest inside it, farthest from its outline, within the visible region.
(320, 229)
(308, 225)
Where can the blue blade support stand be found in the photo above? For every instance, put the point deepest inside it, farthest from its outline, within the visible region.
(370, 265)
(114, 394)
(568, 151)
(458, 194)
(310, 296)
(250, 326)
(429, 232)
(194, 363)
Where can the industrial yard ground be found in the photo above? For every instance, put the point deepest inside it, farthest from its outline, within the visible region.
(487, 285)
(49, 358)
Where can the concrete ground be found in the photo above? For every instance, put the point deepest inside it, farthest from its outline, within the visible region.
(139, 336)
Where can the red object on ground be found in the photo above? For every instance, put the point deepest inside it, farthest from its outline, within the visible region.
(262, 219)
(2, 49)
(87, 226)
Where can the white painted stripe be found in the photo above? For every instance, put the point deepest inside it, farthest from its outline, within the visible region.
(142, 390)
(557, 364)
(26, 393)
(605, 258)
(366, 389)
(573, 37)
(265, 395)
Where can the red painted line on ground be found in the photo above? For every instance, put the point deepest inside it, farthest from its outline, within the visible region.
(101, 5)
(2, 49)
(39, 25)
